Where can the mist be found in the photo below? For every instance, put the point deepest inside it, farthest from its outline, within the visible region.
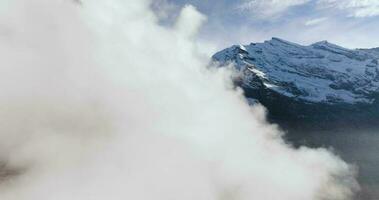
(98, 101)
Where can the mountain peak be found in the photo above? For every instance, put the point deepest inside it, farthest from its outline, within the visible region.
(326, 44)
(279, 40)
(323, 42)
(275, 40)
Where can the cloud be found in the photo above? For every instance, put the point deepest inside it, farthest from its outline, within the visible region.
(292, 25)
(270, 8)
(164, 9)
(316, 21)
(355, 8)
(276, 8)
(98, 101)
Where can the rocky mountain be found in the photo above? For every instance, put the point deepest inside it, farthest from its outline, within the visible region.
(321, 85)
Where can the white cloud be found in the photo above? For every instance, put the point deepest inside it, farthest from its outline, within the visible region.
(100, 102)
(163, 9)
(270, 8)
(355, 8)
(275, 8)
(316, 21)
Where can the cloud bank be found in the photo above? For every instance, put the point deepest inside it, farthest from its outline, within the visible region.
(100, 102)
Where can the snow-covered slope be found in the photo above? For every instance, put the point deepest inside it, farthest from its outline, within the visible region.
(318, 73)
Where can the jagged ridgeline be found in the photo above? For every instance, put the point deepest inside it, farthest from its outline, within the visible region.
(320, 86)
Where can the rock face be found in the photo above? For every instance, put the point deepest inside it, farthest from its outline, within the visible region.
(321, 85)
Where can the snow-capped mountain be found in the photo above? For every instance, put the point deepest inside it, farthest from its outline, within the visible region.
(318, 73)
(319, 83)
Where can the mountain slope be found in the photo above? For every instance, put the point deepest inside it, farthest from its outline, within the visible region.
(321, 82)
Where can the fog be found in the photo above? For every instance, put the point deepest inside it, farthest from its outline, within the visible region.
(357, 146)
(98, 101)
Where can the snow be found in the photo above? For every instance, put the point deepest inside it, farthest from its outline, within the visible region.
(323, 72)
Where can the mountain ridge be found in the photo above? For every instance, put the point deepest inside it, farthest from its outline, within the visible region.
(321, 81)
(319, 66)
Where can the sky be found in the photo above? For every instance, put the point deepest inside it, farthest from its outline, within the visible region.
(349, 23)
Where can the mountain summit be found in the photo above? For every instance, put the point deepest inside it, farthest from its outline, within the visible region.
(296, 81)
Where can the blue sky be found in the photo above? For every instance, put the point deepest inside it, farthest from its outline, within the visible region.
(350, 23)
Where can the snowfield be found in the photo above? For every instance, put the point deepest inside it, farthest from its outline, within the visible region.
(318, 73)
